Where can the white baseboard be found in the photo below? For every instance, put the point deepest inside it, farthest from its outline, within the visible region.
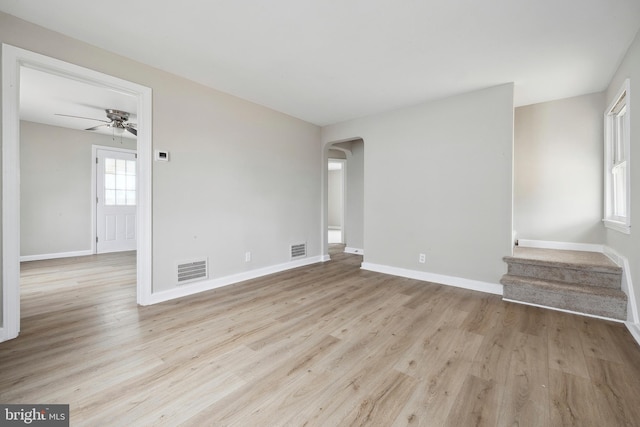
(459, 282)
(325, 258)
(579, 313)
(634, 329)
(55, 255)
(627, 287)
(207, 285)
(356, 251)
(567, 246)
(5, 335)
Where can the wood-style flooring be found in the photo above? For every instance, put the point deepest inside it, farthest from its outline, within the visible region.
(324, 345)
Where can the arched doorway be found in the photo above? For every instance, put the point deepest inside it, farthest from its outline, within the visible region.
(351, 154)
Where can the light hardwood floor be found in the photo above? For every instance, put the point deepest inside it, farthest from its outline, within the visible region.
(324, 345)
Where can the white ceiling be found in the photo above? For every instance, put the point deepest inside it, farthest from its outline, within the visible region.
(327, 61)
(44, 96)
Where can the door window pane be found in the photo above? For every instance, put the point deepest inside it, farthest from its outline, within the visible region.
(131, 167)
(131, 198)
(110, 197)
(121, 198)
(119, 182)
(110, 165)
(121, 166)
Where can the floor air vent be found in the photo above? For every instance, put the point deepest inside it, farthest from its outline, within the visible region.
(299, 250)
(192, 270)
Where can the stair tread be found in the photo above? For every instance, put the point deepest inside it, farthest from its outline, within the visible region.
(591, 261)
(555, 286)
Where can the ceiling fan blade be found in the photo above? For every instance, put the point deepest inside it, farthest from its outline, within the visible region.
(131, 130)
(96, 127)
(79, 117)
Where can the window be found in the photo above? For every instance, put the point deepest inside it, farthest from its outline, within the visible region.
(616, 156)
(119, 182)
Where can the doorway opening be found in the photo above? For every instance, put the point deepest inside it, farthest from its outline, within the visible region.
(336, 197)
(344, 196)
(14, 61)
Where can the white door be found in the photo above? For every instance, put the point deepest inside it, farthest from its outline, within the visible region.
(116, 201)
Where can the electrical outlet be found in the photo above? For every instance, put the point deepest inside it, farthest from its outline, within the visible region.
(422, 258)
(247, 256)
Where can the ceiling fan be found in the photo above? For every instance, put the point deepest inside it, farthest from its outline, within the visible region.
(118, 121)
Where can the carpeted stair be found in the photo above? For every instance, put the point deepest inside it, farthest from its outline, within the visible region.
(584, 282)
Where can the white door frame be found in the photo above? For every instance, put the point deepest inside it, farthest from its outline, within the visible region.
(94, 194)
(13, 59)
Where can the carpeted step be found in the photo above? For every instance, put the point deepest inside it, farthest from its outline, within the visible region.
(585, 268)
(595, 300)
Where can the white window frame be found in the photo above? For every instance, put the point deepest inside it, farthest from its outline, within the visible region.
(617, 154)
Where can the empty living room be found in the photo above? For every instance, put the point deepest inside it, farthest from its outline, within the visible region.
(320, 213)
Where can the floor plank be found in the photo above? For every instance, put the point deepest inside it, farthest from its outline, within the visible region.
(326, 344)
(525, 398)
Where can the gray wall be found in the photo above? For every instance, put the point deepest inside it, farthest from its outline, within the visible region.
(354, 214)
(337, 154)
(55, 187)
(241, 178)
(628, 244)
(558, 159)
(439, 181)
(336, 198)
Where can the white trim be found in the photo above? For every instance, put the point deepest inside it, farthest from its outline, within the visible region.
(627, 286)
(144, 182)
(207, 285)
(356, 251)
(10, 192)
(325, 258)
(634, 329)
(343, 213)
(617, 225)
(94, 194)
(621, 224)
(563, 310)
(12, 59)
(25, 258)
(459, 282)
(567, 246)
(3, 336)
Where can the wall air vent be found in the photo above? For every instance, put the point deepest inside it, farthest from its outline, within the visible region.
(299, 250)
(190, 271)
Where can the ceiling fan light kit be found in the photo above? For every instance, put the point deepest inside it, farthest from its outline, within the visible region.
(117, 130)
(118, 122)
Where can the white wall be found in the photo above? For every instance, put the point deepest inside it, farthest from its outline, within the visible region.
(354, 213)
(558, 159)
(241, 177)
(55, 187)
(628, 245)
(439, 181)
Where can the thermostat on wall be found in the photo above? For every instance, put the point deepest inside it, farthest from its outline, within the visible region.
(162, 156)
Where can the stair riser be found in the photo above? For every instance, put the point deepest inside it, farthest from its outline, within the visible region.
(584, 277)
(614, 308)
